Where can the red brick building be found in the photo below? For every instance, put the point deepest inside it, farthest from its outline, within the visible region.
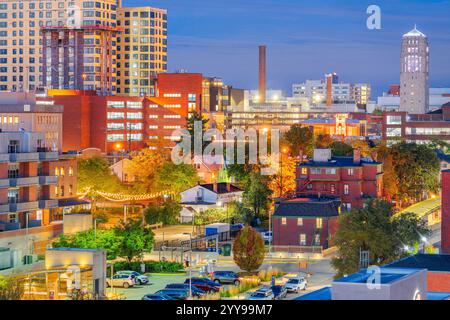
(352, 179)
(445, 211)
(122, 123)
(306, 222)
(419, 128)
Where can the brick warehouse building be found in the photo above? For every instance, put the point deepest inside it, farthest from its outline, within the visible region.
(122, 123)
(352, 179)
(445, 222)
(306, 222)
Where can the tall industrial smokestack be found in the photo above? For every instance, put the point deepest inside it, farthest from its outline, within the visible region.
(262, 74)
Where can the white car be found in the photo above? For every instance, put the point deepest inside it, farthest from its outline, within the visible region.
(139, 279)
(120, 280)
(262, 294)
(296, 284)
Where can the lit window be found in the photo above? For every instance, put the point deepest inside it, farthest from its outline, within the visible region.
(346, 189)
(319, 223)
(304, 170)
(299, 221)
(70, 171)
(302, 239)
(56, 172)
(283, 221)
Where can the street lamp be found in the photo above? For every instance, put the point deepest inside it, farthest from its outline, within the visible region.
(190, 263)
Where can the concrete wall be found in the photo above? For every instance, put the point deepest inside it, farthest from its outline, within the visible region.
(74, 223)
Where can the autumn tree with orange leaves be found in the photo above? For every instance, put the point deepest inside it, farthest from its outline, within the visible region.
(248, 249)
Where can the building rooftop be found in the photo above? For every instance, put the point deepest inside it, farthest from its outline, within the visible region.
(414, 33)
(431, 262)
(340, 162)
(222, 187)
(308, 207)
(321, 294)
(363, 277)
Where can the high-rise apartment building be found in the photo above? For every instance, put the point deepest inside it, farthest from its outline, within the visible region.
(414, 72)
(141, 49)
(76, 29)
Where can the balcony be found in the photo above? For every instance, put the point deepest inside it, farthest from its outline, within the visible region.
(24, 157)
(5, 226)
(46, 180)
(48, 204)
(4, 183)
(23, 182)
(4, 157)
(4, 208)
(23, 206)
(48, 156)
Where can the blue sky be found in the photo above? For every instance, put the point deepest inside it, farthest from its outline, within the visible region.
(305, 39)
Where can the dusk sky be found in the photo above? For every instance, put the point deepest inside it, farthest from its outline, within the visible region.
(305, 39)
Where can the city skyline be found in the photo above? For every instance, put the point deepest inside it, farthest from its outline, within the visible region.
(201, 37)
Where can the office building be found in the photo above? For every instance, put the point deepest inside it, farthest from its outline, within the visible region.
(418, 128)
(141, 49)
(414, 73)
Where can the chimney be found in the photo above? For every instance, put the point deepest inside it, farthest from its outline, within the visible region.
(215, 187)
(357, 156)
(262, 74)
(445, 221)
(329, 78)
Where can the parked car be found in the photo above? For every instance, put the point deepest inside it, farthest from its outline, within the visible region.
(120, 280)
(267, 236)
(176, 294)
(138, 278)
(279, 291)
(157, 297)
(296, 284)
(262, 294)
(226, 277)
(204, 284)
(195, 290)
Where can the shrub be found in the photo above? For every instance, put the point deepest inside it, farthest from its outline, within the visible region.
(150, 266)
(266, 275)
(246, 284)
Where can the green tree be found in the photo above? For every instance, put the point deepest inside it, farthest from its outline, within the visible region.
(300, 140)
(191, 120)
(417, 168)
(376, 230)
(166, 213)
(94, 173)
(257, 194)
(135, 240)
(341, 149)
(175, 178)
(104, 239)
(248, 249)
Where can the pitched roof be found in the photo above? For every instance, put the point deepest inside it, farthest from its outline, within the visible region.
(308, 207)
(414, 33)
(221, 187)
(431, 262)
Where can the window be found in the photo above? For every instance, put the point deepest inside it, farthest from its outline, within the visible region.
(316, 171)
(304, 171)
(394, 120)
(299, 221)
(56, 171)
(393, 132)
(346, 189)
(319, 223)
(62, 171)
(70, 171)
(302, 239)
(56, 190)
(116, 115)
(283, 221)
(333, 188)
(331, 171)
(116, 104)
(350, 172)
(317, 239)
